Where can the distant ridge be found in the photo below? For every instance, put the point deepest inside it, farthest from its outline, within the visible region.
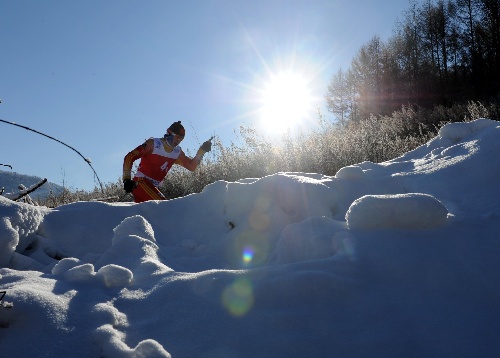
(11, 180)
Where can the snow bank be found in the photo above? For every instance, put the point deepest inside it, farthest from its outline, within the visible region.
(134, 247)
(130, 261)
(278, 200)
(112, 346)
(350, 172)
(461, 131)
(17, 224)
(293, 262)
(312, 239)
(259, 212)
(130, 257)
(412, 211)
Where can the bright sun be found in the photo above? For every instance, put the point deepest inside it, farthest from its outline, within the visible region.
(286, 101)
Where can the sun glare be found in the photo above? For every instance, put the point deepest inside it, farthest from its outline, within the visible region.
(286, 101)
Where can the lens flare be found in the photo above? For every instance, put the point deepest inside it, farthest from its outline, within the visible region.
(249, 248)
(238, 297)
(248, 252)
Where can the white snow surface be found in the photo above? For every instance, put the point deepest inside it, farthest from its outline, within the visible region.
(397, 259)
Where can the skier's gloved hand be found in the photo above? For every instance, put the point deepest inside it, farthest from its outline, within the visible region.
(129, 185)
(207, 146)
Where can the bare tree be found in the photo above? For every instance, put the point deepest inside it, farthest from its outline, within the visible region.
(338, 97)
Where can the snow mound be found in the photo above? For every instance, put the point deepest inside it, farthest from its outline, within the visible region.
(258, 213)
(134, 252)
(350, 172)
(112, 345)
(456, 132)
(17, 224)
(278, 200)
(74, 270)
(134, 225)
(413, 211)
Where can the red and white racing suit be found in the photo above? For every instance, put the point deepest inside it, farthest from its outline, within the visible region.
(157, 157)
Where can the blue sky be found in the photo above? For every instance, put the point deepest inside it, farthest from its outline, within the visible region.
(103, 76)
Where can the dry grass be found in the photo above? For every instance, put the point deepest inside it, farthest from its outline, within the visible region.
(325, 150)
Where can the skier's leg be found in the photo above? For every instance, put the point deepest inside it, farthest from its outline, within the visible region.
(146, 191)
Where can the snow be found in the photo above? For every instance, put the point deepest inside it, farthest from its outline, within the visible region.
(412, 211)
(397, 259)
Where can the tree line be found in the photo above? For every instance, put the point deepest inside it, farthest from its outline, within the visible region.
(441, 53)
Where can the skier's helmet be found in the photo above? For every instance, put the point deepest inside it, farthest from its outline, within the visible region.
(176, 128)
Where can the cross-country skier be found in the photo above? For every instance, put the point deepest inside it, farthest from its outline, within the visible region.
(157, 157)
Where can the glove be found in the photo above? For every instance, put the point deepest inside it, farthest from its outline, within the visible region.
(129, 185)
(207, 146)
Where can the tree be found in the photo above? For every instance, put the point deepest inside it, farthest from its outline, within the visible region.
(437, 22)
(442, 52)
(368, 73)
(490, 40)
(341, 96)
(467, 17)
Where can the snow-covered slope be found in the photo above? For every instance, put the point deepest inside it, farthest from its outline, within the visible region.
(398, 259)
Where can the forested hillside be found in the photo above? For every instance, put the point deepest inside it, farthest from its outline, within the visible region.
(441, 53)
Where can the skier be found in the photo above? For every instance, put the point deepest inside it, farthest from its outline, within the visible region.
(157, 157)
